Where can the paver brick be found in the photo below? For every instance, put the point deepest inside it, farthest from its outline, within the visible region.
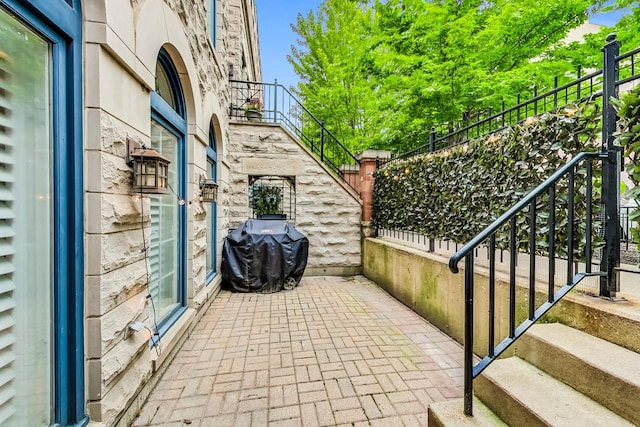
(325, 414)
(349, 416)
(404, 408)
(284, 413)
(313, 396)
(401, 396)
(310, 386)
(362, 390)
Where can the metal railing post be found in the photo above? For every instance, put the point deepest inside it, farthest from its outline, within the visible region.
(432, 139)
(611, 172)
(322, 141)
(579, 72)
(468, 335)
(275, 100)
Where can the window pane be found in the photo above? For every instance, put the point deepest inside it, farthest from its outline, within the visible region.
(163, 86)
(26, 284)
(210, 247)
(163, 252)
(211, 223)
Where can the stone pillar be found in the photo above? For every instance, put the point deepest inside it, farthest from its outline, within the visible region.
(367, 160)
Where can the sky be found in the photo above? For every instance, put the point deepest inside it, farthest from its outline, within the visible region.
(276, 37)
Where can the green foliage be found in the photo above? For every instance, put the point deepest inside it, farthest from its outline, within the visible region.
(454, 194)
(266, 199)
(629, 137)
(381, 73)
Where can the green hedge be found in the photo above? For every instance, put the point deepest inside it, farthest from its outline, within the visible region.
(454, 193)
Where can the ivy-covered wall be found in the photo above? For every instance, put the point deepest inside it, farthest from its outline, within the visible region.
(454, 193)
(629, 137)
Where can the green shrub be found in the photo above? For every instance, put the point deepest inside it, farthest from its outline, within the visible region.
(453, 194)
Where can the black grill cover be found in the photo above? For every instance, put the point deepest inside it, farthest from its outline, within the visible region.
(263, 256)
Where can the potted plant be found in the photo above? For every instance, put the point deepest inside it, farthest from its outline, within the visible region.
(253, 109)
(266, 201)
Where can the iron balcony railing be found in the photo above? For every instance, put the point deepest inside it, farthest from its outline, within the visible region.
(537, 212)
(278, 105)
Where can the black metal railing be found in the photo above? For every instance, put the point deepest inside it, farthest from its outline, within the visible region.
(628, 67)
(626, 225)
(277, 105)
(540, 208)
(583, 88)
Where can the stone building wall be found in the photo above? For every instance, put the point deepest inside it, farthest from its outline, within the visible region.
(327, 211)
(122, 40)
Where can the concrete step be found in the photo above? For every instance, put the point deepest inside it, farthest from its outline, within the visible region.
(449, 414)
(604, 372)
(523, 395)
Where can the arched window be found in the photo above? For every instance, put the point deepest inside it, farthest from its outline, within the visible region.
(167, 252)
(212, 159)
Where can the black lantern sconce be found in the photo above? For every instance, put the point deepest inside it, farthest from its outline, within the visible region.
(150, 169)
(208, 190)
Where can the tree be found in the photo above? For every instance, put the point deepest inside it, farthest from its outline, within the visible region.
(382, 73)
(332, 84)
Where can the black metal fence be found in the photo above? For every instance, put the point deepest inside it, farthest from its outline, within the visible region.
(626, 224)
(273, 103)
(584, 87)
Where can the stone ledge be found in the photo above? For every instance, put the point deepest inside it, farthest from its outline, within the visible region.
(173, 339)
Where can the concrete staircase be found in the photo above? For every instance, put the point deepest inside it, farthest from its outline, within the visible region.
(557, 376)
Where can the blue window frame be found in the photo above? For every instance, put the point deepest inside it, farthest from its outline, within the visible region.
(168, 216)
(212, 160)
(212, 22)
(59, 22)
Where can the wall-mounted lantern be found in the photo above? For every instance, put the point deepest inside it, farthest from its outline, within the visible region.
(150, 169)
(208, 190)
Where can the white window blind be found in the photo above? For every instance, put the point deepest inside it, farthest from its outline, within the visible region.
(26, 215)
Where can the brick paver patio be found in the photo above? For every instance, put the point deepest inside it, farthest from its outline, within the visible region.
(334, 351)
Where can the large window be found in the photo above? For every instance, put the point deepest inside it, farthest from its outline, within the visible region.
(212, 159)
(168, 226)
(41, 258)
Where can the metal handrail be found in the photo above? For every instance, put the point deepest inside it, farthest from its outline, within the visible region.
(282, 107)
(489, 233)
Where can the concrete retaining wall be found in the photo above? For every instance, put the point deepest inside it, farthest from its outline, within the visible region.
(424, 283)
